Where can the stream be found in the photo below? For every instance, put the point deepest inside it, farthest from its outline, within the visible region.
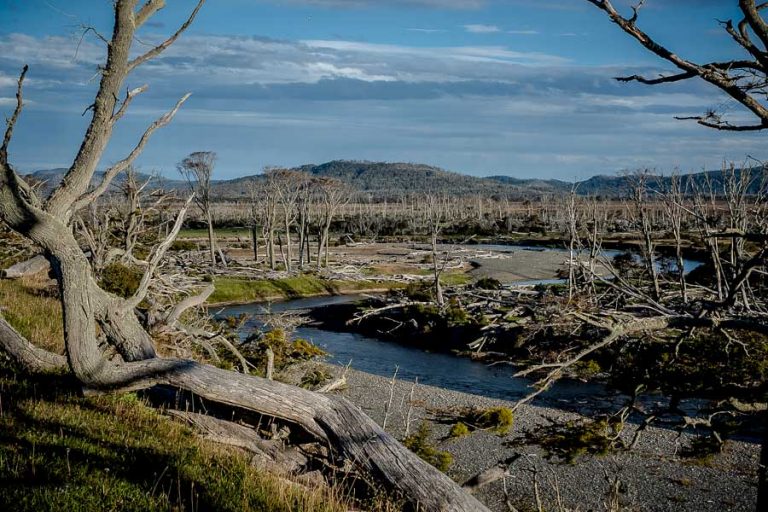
(379, 357)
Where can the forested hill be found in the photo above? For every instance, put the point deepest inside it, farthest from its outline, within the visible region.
(383, 180)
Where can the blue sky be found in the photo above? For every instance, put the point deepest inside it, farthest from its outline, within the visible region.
(516, 87)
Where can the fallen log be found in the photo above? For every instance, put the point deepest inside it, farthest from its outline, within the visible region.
(352, 435)
(30, 267)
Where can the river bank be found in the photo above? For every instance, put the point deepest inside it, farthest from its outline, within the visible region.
(653, 476)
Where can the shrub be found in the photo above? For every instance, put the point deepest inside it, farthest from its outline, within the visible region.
(571, 440)
(419, 444)
(495, 419)
(488, 283)
(119, 279)
(314, 378)
(459, 430)
(286, 351)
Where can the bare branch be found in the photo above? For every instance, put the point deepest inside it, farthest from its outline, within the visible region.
(148, 10)
(655, 81)
(127, 101)
(123, 164)
(10, 123)
(756, 22)
(716, 75)
(723, 125)
(157, 50)
(157, 256)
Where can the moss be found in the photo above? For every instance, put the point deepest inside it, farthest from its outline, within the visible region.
(183, 245)
(419, 444)
(459, 430)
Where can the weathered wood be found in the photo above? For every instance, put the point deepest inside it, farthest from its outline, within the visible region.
(30, 357)
(30, 267)
(269, 454)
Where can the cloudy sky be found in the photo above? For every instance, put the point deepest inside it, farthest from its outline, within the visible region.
(516, 87)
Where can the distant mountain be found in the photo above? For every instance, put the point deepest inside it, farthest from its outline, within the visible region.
(50, 178)
(383, 180)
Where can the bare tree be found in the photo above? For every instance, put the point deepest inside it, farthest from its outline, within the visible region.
(436, 210)
(744, 80)
(673, 198)
(333, 194)
(197, 169)
(640, 210)
(92, 317)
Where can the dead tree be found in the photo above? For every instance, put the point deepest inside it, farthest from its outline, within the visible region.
(638, 183)
(93, 317)
(744, 80)
(436, 209)
(333, 194)
(197, 169)
(288, 186)
(673, 199)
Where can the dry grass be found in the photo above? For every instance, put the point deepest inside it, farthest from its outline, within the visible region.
(32, 307)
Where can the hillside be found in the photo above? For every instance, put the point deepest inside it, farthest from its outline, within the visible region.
(391, 181)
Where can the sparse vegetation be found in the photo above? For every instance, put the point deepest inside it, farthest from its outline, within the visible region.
(420, 444)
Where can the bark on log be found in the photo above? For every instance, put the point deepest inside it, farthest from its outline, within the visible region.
(28, 267)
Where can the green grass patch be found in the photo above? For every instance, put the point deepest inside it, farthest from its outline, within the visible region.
(254, 290)
(32, 307)
(59, 451)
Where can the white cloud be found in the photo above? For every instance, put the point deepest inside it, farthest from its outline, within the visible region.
(426, 30)
(523, 32)
(476, 28)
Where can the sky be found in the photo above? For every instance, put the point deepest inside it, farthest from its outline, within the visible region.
(485, 87)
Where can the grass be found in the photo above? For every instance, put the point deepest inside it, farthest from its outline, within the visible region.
(230, 289)
(33, 309)
(60, 451)
(219, 233)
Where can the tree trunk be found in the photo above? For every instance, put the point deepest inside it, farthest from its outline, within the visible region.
(255, 238)
(211, 243)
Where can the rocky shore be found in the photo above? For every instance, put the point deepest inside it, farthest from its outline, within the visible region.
(651, 477)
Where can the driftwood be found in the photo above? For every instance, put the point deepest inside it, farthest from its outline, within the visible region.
(268, 454)
(30, 267)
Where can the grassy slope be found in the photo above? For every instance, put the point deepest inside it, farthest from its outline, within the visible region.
(59, 451)
(62, 451)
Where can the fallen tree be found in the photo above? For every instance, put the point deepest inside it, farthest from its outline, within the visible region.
(95, 319)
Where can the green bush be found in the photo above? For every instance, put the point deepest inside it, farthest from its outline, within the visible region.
(459, 430)
(314, 378)
(121, 280)
(495, 419)
(286, 351)
(419, 444)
